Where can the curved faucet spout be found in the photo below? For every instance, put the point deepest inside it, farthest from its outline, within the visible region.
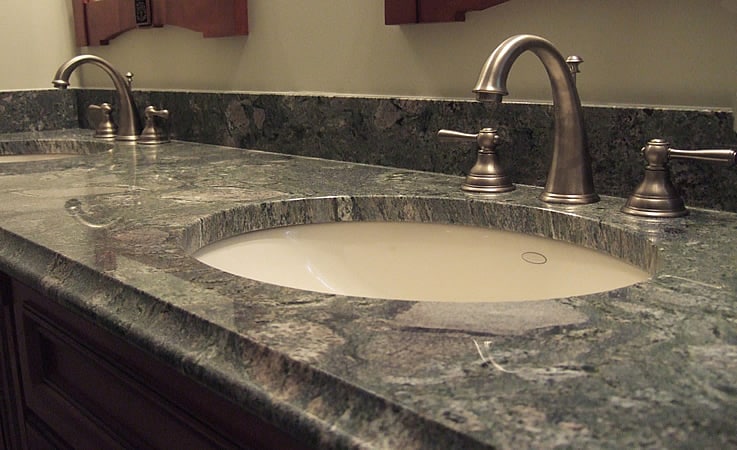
(570, 178)
(129, 127)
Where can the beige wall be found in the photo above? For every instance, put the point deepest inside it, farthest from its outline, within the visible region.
(654, 52)
(35, 37)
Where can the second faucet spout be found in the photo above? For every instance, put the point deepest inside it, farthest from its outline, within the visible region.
(129, 127)
(570, 179)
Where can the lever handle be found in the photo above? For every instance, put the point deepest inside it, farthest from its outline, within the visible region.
(657, 153)
(487, 138)
(656, 196)
(102, 107)
(105, 128)
(451, 135)
(721, 155)
(153, 112)
(487, 175)
(153, 134)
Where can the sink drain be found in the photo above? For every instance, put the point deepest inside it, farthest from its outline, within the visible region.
(534, 258)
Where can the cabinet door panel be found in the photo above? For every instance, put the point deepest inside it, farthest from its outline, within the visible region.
(11, 408)
(97, 391)
(41, 437)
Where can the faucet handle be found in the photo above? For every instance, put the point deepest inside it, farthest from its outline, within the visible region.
(153, 133)
(487, 138)
(574, 62)
(656, 196)
(720, 155)
(487, 175)
(105, 128)
(448, 135)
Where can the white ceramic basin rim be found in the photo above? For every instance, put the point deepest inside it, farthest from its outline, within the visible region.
(34, 157)
(419, 261)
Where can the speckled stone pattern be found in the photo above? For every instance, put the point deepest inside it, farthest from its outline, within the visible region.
(108, 234)
(37, 110)
(402, 133)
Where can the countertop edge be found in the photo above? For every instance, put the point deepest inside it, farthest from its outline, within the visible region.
(45, 271)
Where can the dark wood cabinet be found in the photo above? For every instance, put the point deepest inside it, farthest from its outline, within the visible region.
(68, 383)
(11, 417)
(98, 21)
(398, 12)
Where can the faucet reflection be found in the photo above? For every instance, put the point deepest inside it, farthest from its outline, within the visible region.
(129, 127)
(570, 178)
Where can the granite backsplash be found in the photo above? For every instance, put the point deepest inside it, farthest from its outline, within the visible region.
(38, 110)
(401, 132)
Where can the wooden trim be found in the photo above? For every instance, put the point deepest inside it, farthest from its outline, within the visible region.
(422, 11)
(96, 22)
(213, 18)
(397, 12)
(80, 23)
(240, 17)
(107, 19)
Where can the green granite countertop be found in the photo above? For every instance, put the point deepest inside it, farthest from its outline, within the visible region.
(108, 234)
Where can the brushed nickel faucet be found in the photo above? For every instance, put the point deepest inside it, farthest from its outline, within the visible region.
(106, 128)
(656, 196)
(129, 127)
(570, 178)
(487, 175)
(153, 133)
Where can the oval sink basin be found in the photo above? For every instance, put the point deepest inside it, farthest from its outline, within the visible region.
(419, 261)
(34, 157)
(24, 148)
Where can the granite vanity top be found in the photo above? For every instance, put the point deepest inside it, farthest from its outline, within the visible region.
(108, 234)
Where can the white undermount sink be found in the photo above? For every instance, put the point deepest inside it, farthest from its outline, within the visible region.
(34, 157)
(28, 148)
(419, 261)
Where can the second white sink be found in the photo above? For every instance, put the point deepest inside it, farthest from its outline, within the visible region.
(419, 261)
(34, 157)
